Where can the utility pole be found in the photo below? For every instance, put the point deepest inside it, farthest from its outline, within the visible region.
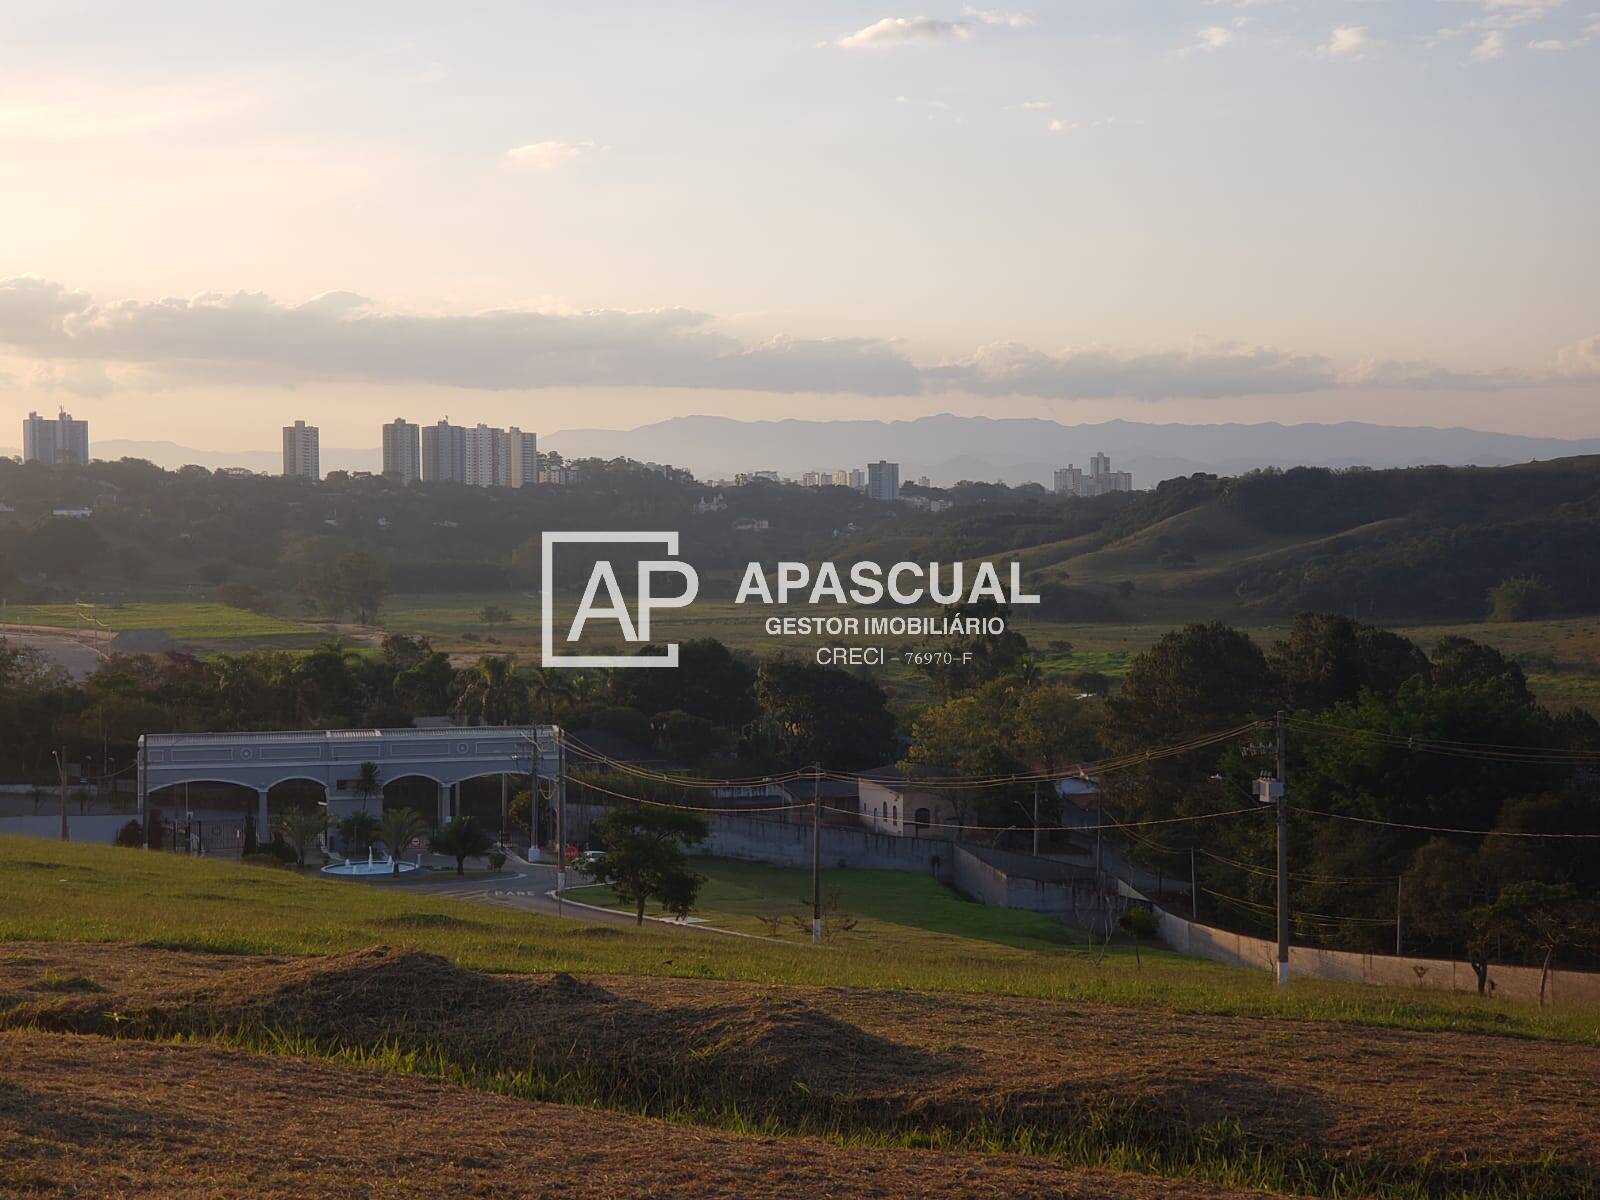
(1270, 790)
(1399, 895)
(1099, 823)
(561, 817)
(1194, 891)
(1036, 818)
(533, 788)
(1283, 866)
(61, 774)
(816, 854)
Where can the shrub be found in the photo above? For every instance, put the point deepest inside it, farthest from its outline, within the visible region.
(131, 834)
(1520, 599)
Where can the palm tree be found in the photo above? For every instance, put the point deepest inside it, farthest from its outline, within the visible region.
(461, 839)
(401, 827)
(300, 828)
(550, 686)
(369, 782)
(491, 693)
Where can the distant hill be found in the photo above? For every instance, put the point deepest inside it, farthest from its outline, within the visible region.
(1385, 546)
(950, 448)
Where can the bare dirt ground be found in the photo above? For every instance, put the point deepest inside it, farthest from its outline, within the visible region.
(1378, 1098)
(85, 1116)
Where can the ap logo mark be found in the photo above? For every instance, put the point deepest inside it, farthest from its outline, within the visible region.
(603, 579)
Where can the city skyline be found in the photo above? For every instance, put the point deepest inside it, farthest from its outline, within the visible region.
(1177, 212)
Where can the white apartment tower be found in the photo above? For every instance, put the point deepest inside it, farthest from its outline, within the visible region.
(55, 441)
(883, 480)
(402, 451)
(302, 451)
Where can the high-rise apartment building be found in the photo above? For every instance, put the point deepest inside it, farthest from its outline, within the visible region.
(402, 451)
(55, 440)
(482, 456)
(522, 458)
(883, 480)
(302, 451)
(444, 453)
(858, 479)
(1101, 479)
(1069, 481)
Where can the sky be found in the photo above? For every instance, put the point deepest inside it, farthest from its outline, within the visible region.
(215, 219)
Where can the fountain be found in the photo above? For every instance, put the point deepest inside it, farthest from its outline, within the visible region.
(373, 866)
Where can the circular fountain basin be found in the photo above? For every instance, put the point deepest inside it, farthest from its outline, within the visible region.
(376, 866)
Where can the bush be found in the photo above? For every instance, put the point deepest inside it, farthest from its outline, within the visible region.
(264, 859)
(496, 860)
(131, 834)
(1523, 599)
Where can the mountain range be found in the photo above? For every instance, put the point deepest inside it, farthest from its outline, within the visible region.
(948, 448)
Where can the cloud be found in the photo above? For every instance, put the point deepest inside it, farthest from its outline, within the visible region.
(545, 156)
(1491, 45)
(906, 31)
(249, 337)
(1009, 20)
(902, 31)
(79, 345)
(1348, 41)
(1211, 38)
(1206, 371)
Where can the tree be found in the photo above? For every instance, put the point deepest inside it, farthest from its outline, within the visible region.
(357, 832)
(822, 714)
(369, 782)
(491, 693)
(550, 687)
(710, 682)
(1141, 925)
(361, 581)
(1542, 919)
(644, 856)
(301, 827)
(975, 659)
(461, 839)
(1520, 599)
(492, 615)
(399, 828)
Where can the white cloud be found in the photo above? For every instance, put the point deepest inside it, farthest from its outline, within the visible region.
(901, 31)
(905, 31)
(1491, 45)
(1033, 105)
(545, 156)
(1212, 37)
(77, 344)
(1349, 41)
(1006, 19)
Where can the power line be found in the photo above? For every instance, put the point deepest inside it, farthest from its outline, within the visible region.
(1513, 833)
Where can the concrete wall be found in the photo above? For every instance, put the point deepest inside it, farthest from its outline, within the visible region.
(101, 828)
(1388, 970)
(991, 876)
(754, 839)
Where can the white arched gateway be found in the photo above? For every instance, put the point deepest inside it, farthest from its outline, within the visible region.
(333, 758)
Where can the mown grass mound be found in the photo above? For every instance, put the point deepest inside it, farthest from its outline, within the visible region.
(1331, 1110)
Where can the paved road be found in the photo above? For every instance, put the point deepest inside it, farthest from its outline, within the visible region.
(78, 659)
(528, 891)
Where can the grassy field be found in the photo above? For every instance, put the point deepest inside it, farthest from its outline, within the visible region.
(897, 910)
(988, 1036)
(182, 620)
(75, 893)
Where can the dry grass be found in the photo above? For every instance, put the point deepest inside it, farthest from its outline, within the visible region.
(1422, 1113)
(95, 1118)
